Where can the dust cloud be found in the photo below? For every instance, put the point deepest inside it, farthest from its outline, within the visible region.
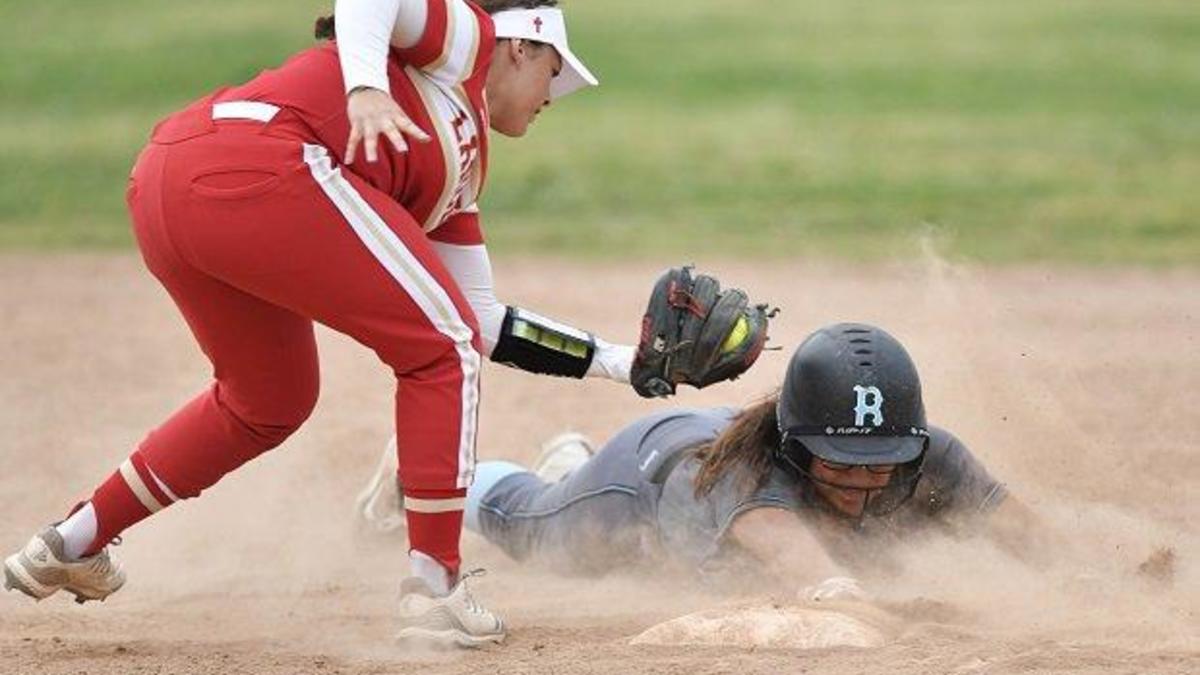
(1072, 386)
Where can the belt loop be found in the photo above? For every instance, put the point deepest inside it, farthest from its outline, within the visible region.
(244, 110)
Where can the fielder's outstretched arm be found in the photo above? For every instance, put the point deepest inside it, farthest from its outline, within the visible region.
(522, 339)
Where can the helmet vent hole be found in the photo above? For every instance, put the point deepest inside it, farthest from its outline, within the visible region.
(865, 363)
(863, 351)
(860, 341)
(856, 330)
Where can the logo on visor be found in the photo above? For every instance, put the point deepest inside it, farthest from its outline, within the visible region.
(870, 402)
(537, 24)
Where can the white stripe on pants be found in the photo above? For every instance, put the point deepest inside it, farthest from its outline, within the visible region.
(417, 282)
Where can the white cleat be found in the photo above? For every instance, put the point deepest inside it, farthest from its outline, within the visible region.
(379, 508)
(561, 455)
(40, 570)
(454, 620)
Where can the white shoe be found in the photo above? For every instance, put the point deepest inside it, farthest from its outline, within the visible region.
(40, 570)
(454, 620)
(379, 508)
(561, 455)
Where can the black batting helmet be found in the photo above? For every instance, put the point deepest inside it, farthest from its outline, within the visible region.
(852, 396)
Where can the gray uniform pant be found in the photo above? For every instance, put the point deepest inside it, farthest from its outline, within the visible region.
(600, 517)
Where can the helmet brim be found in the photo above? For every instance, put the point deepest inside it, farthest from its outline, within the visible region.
(865, 450)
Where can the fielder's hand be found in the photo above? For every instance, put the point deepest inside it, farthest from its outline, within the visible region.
(373, 112)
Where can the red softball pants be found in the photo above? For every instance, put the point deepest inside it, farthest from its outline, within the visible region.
(256, 234)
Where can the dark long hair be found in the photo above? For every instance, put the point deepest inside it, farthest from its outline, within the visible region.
(326, 30)
(746, 446)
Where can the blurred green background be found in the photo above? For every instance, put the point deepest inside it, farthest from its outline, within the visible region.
(1065, 130)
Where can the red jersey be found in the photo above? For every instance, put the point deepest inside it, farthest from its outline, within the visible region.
(439, 83)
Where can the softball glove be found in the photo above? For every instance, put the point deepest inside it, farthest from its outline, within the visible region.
(695, 333)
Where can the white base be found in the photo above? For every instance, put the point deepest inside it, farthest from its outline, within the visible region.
(765, 626)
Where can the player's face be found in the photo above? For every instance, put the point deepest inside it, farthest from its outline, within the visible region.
(522, 89)
(849, 488)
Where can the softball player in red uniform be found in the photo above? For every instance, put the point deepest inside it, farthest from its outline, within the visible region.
(254, 210)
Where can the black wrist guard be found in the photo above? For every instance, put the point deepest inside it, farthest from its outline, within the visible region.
(539, 345)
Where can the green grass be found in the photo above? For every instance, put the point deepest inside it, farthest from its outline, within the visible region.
(1063, 130)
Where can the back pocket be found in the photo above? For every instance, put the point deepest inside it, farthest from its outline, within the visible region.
(235, 183)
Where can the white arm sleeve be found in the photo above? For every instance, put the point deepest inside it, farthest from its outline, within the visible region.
(365, 28)
(472, 271)
(611, 361)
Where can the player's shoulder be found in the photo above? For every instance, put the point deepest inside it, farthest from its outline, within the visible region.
(952, 476)
(947, 456)
(942, 440)
(709, 422)
(945, 450)
(718, 414)
(699, 423)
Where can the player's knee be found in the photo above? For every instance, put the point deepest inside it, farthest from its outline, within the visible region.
(269, 417)
(291, 411)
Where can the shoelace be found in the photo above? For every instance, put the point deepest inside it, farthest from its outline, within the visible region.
(101, 564)
(473, 606)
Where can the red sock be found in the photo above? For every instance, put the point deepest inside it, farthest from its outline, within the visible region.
(130, 494)
(435, 524)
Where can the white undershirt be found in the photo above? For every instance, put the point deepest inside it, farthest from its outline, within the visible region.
(472, 270)
(365, 28)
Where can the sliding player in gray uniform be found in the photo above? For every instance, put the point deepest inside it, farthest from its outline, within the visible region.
(812, 483)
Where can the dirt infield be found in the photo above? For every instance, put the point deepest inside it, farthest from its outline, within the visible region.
(1079, 388)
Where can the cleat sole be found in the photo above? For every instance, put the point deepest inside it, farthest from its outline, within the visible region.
(444, 639)
(13, 582)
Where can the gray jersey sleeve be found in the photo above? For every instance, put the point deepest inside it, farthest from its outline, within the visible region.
(954, 483)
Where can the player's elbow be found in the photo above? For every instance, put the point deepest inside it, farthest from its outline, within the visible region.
(489, 318)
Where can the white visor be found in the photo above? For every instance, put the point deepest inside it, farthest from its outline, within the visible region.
(546, 24)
